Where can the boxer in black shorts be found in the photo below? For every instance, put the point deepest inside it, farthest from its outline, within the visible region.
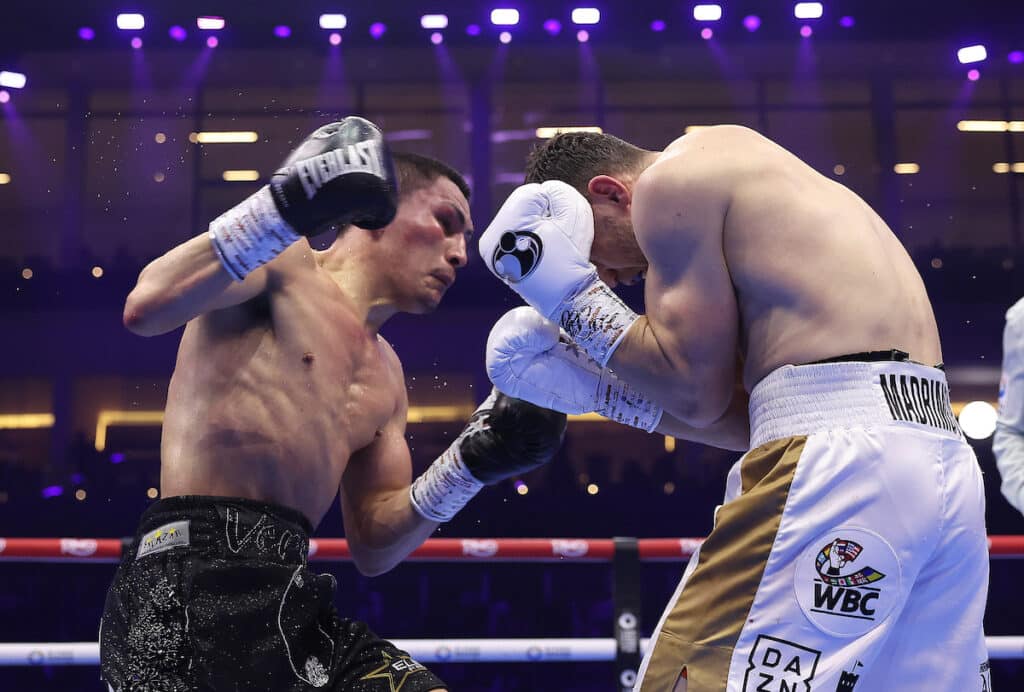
(216, 594)
(283, 397)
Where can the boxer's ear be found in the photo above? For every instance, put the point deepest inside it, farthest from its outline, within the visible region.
(604, 188)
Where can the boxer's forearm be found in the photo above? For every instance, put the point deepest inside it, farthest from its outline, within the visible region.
(695, 392)
(182, 284)
(387, 533)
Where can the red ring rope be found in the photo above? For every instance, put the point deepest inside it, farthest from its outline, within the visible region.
(433, 550)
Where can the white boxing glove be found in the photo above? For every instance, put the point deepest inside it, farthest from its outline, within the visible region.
(539, 244)
(528, 358)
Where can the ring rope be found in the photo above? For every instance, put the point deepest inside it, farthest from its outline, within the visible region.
(525, 650)
(433, 550)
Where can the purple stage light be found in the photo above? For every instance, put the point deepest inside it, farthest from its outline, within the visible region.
(504, 37)
(505, 16)
(136, 43)
(553, 26)
(116, 458)
(86, 33)
(658, 25)
(335, 39)
(706, 33)
(752, 22)
(4, 96)
(473, 29)
(76, 478)
(582, 35)
(1016, 57)
(847, 22)
(178, 33)
(282, 31)
(377, 29)
(131, 22)
(806, 31)
(436, 38)
(586, 15)
(973, 75)
(212, 42)
(52, 491)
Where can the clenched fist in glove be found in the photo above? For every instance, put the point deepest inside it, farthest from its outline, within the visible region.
(504, 437)
(342, 174)
(539, 244)
(527, 357)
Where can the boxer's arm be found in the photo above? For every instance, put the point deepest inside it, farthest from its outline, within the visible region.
(191, 280)
(682, 352)
(1008, 441)
(381, 525)
(731, 431)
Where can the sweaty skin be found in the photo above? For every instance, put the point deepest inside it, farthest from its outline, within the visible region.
(753, 260)
(283, 390)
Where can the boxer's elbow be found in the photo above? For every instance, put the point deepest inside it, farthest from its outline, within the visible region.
(704, 403)
(141, 314)
(370, 562)
(136, 315)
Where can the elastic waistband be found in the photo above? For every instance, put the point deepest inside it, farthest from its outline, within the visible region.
(227, 527)
(805, 399)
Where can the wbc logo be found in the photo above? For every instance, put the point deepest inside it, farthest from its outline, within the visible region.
(517, 255)
(844, 601)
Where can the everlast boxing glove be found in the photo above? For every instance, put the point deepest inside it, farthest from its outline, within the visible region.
(341, 174)
(505, 437)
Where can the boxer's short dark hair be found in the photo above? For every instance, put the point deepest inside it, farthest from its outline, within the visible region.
(576, 157)
(416, 171)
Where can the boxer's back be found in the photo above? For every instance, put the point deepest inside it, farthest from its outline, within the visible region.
(817, 273)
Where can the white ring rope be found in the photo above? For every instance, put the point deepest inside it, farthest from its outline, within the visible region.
(526, 650)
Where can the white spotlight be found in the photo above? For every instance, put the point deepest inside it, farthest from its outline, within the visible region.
(808, 10)
(707, 13)
(969, 54)
(434, 21)
(333, 21)
(131, 22)
(978, 420)
(12, 80)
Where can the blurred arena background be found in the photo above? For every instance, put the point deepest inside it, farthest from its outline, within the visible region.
(117, 143)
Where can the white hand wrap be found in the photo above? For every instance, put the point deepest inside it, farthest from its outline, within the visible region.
(447, 485)
(527, 359)
(250, 234)
(596, 320)
(444, 488)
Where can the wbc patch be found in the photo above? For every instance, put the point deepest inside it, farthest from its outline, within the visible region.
(173, 535)
(848, 581)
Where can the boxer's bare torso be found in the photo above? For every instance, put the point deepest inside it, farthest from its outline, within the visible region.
(270, 399)
(752, 251)
(283, 391)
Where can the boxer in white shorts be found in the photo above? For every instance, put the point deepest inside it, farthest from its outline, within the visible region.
(851, 551)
